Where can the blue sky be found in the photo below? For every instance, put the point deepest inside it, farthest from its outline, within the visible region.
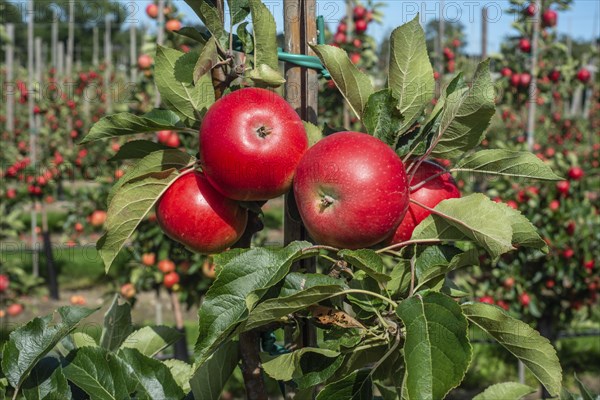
(581, 21)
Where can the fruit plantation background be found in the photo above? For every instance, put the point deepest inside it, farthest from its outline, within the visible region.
(89, 60)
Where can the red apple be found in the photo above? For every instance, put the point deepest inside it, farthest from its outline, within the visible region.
(584, 75)
(14, 309)
(589, 265)
(549, 18)
(351, 190)
(171, 279)
(4, 282)
(430, 194)
(360, 26)
(554, 75)
(524, 80)
(554, 205)
(360, 12)
(148, 259)
(173, 25)
(193, 213)
(524, 299)
(568, 253)
(251, 142)
(128, 291)
(525, 45)
(515, 80)
(563, 187)
(97, 218)
(166, 266)
(163, 136)
(173, 140)
(152, 11)
(530, 10)
(576, 173)
(509, 282)
(145, 61)
(355, 58)
(78, 227)
(506, 72)
(357, 43)
(340, 37)
(487, 300)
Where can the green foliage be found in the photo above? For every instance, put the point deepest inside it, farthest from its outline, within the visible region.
(505, 390)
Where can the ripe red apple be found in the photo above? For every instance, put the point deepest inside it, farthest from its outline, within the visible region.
(128, 291)
(568, 253)
(166, 266)
(152, 11)
(78, 227)
(524, 80)
(4, 282)
(148, 259)
(193, 213)
(456, 43)
(589, 265)
(563, 187)
(550, 283)
(554, 205)
(173, 25)
(576, 173)
(361, 26)
(357, 43)
(524, 299)
(342, 27)
(506, 72)
(171, 279)
(355, 58)
(530, 10)
(14, 309)
(487, 300)
(145, 61)
(554, 75)
(97, 218)
(250, 144)
(430, 194)
(163, 136)
(525, 45)
(571, 228)
(351, 190)
(509, 282)
(340, 37)
(584, 75)
(515, 80)
(360, 12)
(549, 18)
(173, 140)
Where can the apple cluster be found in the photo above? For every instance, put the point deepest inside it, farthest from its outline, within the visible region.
(352, 190)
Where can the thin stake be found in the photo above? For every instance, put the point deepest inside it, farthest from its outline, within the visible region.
(532, 68)
(10, 94)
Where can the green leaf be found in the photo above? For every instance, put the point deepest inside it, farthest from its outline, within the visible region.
(455, 221)
(192, 33)
(525, 343)
(127, 208)
(400, 279)
(265, 76)
(274, 309)
(437, 352)
(410, 73)
(238, 10)
(368, 303)
(436, 261)
(208, 381)
(382, 118)
(313, 132)
(46, 382)
(154, 377)
(181, 371)
(521, 164)
(211, 17)
(242, 274)
(368, 261)
(524, 232)
(355, 386)
(583, 390)
(150, 340)
(245, 37)
(466, 115)
(506, 390)
(355, 86)
(117, 325)
(209, 56)
(28, 344)
(265, 35)
(81, 339)
(124, 124)
(187, 100)
(155, 162)
(100, 374)
(295, 282)
(137, 149)
(297, 364)
(184, 67)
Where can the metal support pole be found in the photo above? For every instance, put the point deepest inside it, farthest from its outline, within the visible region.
(532, 70)
(107, 63)
(10, 64)
(160, 37)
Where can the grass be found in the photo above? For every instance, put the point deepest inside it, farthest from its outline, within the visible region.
(56, 220)
(77, 267)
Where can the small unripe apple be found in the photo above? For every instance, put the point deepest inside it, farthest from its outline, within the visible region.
(170, 279)
(430, 194)
(576, 173)
(193, 213)
(351, 190)
(251, 142)
(584, 75)
(166, 266)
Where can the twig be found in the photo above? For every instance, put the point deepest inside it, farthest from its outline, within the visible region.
(408, 243)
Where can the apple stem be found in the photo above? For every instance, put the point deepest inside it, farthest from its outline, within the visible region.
(423, 182)
(264, 131)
